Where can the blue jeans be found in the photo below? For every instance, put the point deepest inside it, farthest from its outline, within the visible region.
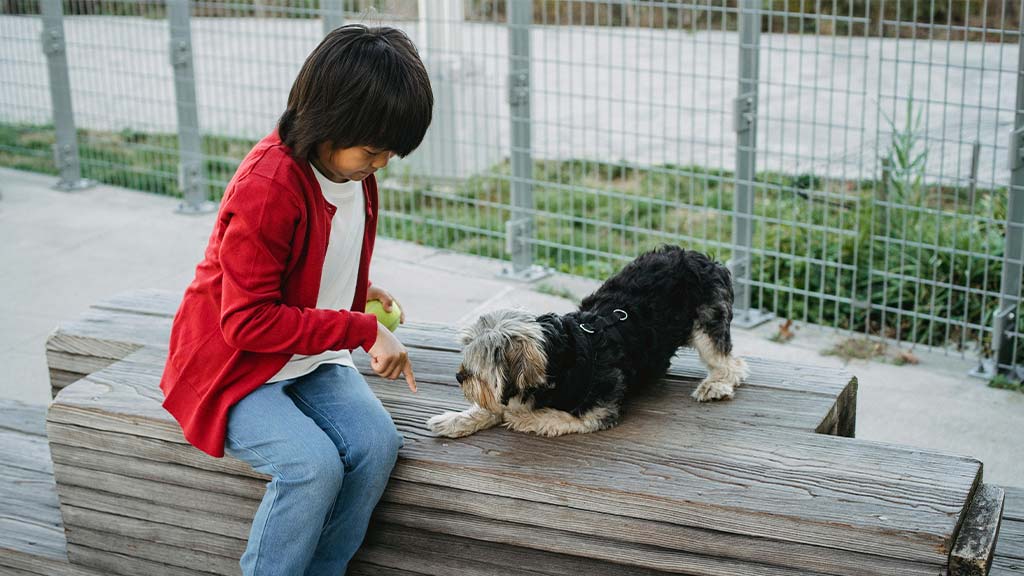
(329, 446)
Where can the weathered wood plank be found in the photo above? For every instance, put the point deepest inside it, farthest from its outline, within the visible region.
(28, 495)
(163, 492)
(61, 379)
(841, 419)
(173, 559)
(161, 541)
(107, 562)
(77, 365)
(16, 562)
(426, 336)
(36, 538)
(447, 554)
(27, 451)
(112, 397)
(505, 511)
(23, 418)
(159, 494)
(359, 568)
(106, 334)
(1011, 539)
(182, 475)
(976, 541)
(207, 546)
(534, 538)
(529, 511)
(842, 454)
(1014, 509)
(159, 514)
(1007, 567)
(672, 463)
(750, 445)
(567, 542)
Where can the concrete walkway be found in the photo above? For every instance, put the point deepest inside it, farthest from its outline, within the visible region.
(61, 252)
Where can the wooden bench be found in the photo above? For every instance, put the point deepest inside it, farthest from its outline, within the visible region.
(771, 483)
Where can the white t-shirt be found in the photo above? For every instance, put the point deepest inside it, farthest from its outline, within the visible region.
(341, 267)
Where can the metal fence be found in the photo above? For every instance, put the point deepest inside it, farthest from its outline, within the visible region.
(851, 159)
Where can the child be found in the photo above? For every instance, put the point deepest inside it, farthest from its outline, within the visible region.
(259, 364)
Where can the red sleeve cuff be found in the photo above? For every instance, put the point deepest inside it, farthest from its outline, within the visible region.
(365, 326)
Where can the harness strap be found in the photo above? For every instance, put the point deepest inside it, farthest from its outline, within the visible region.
(604, 323)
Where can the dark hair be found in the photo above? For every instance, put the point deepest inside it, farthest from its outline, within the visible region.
(360, 87)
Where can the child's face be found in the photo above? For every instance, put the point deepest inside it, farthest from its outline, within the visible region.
(353, 163)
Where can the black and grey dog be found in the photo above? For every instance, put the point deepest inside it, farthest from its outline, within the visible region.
(554, 375)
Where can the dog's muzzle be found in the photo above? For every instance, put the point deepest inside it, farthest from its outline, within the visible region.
(461, 375)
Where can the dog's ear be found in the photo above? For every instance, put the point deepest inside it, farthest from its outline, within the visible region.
(526, 363)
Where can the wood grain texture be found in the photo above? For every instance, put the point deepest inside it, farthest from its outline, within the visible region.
(19, 563)
(1007, 567)
(30, 522)
(734, 460)
(1011, 539)
(678, 486)
(976, 541)
(128, 563)
(162, 305)
(29, 419)
(142, 497)
(1014, 509)
(169, 559)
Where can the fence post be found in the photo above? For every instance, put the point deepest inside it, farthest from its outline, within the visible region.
(332, 13)
(745, 126)
(519, 228)
(65, 150)
(1010, 285)
(191, 178)
(440, 44)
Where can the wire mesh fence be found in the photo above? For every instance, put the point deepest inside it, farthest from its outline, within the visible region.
(850, 159)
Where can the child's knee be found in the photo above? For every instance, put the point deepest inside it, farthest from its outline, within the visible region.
(319, 470)
(377, 446)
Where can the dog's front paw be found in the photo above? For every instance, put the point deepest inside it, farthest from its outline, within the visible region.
(451, 424)
(713, 390)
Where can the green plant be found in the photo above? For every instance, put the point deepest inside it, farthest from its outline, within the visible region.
(825, 250)
(1005, 383)
(906, 159)
(551, 290)
(856, 348)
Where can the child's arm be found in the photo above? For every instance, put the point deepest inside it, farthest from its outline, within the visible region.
(257, 242)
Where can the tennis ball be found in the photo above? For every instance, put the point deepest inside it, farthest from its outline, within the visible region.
(389, 320)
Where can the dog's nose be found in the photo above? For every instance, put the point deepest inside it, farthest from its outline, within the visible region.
(460, 376)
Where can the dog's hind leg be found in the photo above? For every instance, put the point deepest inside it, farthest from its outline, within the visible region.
(713, 342)
(459, 424)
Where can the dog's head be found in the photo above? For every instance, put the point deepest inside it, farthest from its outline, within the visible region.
(503, 355)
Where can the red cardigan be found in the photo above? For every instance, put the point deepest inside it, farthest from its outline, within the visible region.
(252, 304)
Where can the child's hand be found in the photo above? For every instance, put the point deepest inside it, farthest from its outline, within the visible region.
(386, 300)
(389, 358)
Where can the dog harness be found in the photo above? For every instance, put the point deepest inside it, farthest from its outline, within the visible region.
(604, 323)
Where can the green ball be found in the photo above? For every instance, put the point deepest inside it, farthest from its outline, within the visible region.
(389, 320)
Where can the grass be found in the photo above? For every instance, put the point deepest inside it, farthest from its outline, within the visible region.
(856, 349)
(550, 290)
(872, 257)
(136, 160)
(1006, 383)
(867, 349)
